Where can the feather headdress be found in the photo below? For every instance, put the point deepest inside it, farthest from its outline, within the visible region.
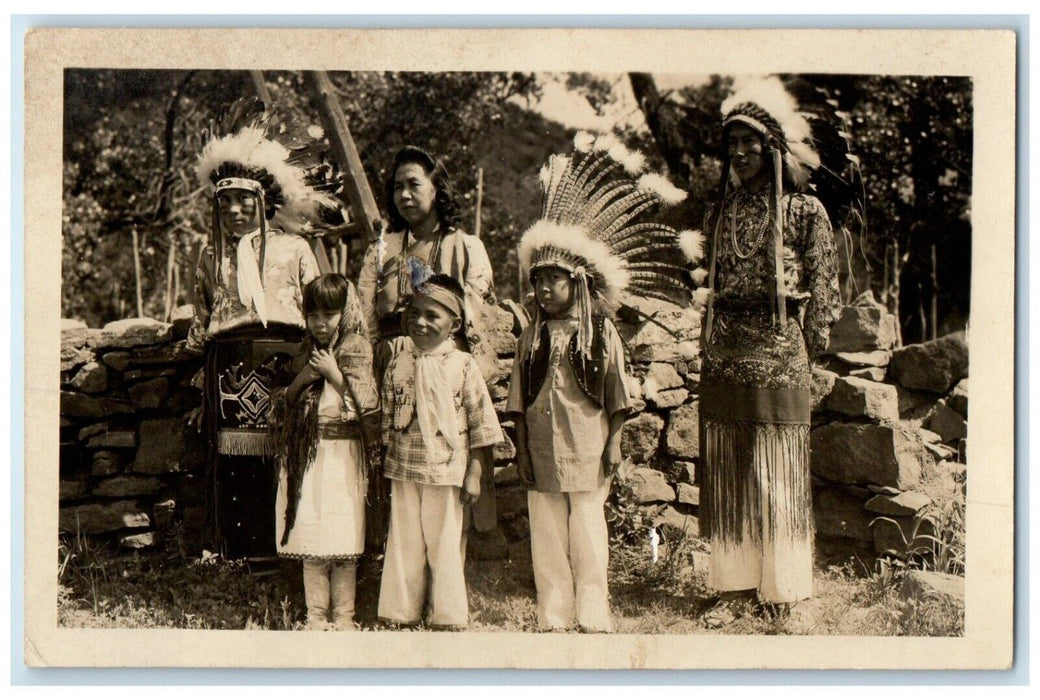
(765, 105)
(285, 163)
(596, 224)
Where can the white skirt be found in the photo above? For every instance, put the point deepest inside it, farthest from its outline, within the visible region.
(330, 518)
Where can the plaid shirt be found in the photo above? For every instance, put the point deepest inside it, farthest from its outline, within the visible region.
(407, 458)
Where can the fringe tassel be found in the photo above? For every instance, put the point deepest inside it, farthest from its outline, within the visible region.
(245, 443)
(584, 313)
(756, 481)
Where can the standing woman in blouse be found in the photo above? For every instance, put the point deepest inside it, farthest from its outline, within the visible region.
(773, 295)
(424, 215)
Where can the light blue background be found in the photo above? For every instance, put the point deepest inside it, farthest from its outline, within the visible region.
(21, 675)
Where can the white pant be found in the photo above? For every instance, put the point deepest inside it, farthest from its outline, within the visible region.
(426, 525)
(569, 552)
(329, 583)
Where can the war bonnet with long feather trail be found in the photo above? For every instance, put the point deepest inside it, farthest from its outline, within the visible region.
(597, 224)
(249, 148)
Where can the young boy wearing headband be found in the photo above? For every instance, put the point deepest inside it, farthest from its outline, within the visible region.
(438, 426)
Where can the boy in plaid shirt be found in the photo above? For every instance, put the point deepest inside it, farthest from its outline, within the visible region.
(438, 426)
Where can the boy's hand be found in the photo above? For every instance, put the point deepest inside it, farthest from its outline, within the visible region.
(323, 363)
(470, 488)
(611, 457)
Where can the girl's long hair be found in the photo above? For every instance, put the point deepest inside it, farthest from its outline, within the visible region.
(446, 201)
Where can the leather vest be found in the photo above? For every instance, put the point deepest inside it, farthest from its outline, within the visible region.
(591, 374)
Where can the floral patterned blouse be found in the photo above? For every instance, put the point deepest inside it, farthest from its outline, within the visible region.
(745, 262)
(289, 264)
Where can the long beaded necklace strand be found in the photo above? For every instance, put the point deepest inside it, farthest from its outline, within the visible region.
(759, 238)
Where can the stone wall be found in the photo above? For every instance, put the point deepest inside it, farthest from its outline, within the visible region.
(889, 430)
(883, 418)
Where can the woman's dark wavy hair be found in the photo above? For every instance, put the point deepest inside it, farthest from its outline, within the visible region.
(326, 293)
(446, 202)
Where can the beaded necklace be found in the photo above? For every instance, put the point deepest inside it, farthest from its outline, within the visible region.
(758, 239)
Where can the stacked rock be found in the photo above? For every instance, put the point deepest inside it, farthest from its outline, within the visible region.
(888, 424)
(128, 465)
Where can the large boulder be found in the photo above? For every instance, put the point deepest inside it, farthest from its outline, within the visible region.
(861, 397)
(857, 453)
(958, 398)
(839, 512)
(161, 440)
(650, 486)
(682, 438)
(150, 393)
(689, 495)
(933, 584)
(640, 436)
(113, 439)
(660, 376)
(674, 524)
(91, 378)
(167, 353)
(870, 358)
(141, 540)
(670, 398)
(904, 504)
(498, 327)
(874, 374)
(649, 342)
(181, 319)
(127, 485)
(822, 384)
(949, 424)
(864, 325)
(77, 347)
(935, 366)
(73, 404)
(108, 462)
(131, 332)
(98, 518)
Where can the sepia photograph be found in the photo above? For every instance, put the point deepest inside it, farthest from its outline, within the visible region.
(519, 353)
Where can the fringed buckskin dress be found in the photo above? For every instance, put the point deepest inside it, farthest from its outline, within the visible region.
(755, 379)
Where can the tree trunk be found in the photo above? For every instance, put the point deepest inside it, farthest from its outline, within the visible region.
(935, 293)
(480, 200)
(137, 273)
(661, 126)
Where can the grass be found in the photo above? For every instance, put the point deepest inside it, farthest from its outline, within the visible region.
(101, 586)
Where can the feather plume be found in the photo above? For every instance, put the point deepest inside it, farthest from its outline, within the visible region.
(660, 185)
(692, 245)
(699, 276)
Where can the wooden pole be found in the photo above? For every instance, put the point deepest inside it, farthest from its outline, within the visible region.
(480, 200)
(356, 187)
(261, 87)
(171, 265)
(137, 273)
(344, 256)
(935, 293)
(897, 271)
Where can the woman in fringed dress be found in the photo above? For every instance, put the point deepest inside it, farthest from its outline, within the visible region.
(773, 296)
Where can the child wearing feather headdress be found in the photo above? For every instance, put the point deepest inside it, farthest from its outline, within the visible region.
(438, 427)
(331, 422)
(568, 393)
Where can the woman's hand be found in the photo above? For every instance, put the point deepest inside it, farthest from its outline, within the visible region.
(324, 364)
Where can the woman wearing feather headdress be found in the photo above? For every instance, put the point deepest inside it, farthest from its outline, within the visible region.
(267, 184)
(773, 296)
